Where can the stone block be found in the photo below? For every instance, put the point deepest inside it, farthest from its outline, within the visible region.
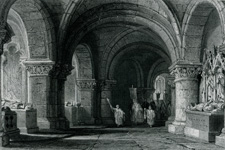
(27, 120)
(220, 140)
(203, 125)
(176, 129)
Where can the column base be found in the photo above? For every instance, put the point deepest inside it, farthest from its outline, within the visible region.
(220, 140)
(170, 120)
(53, 123)
(108, 121)
(176, 128)
(29, 130)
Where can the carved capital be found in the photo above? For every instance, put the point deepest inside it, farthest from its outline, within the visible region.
(61, 71)
(86, 84)
(186, 71)
(171, 83)
(106, 84)
(38, 68)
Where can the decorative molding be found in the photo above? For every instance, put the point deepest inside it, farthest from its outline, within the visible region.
(38, 68)
(171, 83)
(87, 84)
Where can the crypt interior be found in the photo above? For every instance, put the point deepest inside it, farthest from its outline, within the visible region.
(62, 59)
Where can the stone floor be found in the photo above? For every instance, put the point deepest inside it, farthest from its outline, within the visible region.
(138, 138)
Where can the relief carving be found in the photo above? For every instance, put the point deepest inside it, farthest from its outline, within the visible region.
(39, 69)
(186, 71)
(86, 84)
(212, 83)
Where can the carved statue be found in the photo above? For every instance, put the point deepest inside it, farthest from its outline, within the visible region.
(220, 85)
(213, 93)
(210, 85)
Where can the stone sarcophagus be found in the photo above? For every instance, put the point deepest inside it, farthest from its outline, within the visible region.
(9, 126)
(27, 120)
(204, 125)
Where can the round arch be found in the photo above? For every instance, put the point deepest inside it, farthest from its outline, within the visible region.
(193, 32)
(143, 45)
(141, 19)
(78, 7)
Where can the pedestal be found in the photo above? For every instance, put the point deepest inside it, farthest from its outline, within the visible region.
(220, 140)
(203, 125)
(74, 115)
(27, 120)
(176, 128)
(169, 121)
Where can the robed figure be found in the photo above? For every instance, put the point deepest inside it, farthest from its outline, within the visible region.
(137, 113)
(118, 114)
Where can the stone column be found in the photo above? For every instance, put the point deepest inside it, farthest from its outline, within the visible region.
(173, 98)
(86, 99)
(186, 84)
(106, 92)
(38, 89)
(56, 108)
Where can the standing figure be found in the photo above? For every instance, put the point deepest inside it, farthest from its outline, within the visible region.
(210, 86)
(118, 114)
(137, 113)
(220, 85)
(150, 116)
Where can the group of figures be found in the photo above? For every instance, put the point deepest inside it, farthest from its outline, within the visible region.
(212, 83)
(138, 114)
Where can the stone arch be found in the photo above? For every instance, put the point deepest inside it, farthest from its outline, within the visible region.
(4, 10)
(112, 64)
(158, 62)
(139, 72)
(141, 20)
(123, 41)
(162, 67)
(85, 61)
(193, 25)
(13, 72)
(78, 7)
(39, 27)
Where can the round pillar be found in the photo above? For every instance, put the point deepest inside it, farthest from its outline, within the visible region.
(186, 92)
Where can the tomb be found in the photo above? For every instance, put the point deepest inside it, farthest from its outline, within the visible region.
(203, 125)
(9, 125)
(206, 120)
(27, 120)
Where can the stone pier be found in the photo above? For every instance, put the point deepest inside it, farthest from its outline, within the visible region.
(173, 98)
(86, 95)
(186, 84)
(106, 92)
(38, 89)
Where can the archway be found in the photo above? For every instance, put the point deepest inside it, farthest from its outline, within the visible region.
(79, 88)
(203, 28)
